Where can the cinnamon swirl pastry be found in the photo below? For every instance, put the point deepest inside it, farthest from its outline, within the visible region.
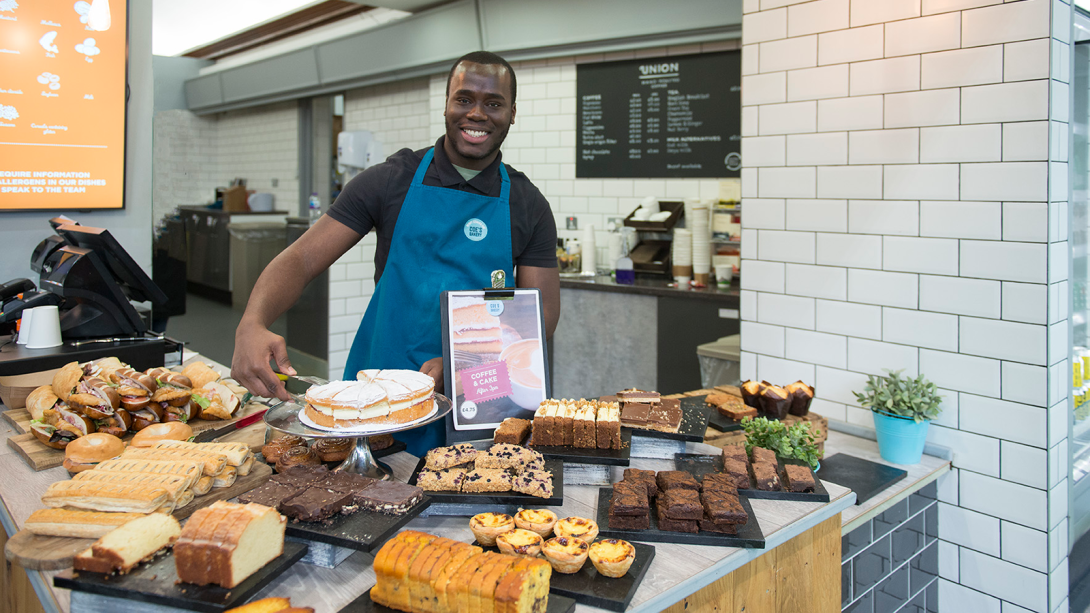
(272, 450)
(333, 449)
(297, 456)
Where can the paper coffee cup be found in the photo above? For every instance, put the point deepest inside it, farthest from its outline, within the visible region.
(683, 281)
(24, 327)
(683, 271)
(45, 328)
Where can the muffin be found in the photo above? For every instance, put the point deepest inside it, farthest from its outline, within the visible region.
(577, 527)
(536, 520)
(612, 557)
(519, 542)
(487, 526)
(566, 554)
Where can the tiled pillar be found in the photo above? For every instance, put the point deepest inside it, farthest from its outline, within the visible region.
(905, 192)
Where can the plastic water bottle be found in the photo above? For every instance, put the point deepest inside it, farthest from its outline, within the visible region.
(315, 206)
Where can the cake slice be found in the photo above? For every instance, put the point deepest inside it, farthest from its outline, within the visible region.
(552, 436)
(462, 560)
(225, 543)
(567, 423)
(384, 563)
(487, 480)
(538, 435)
(490, 573)
(583, 435)
(525, 590)
(459, 587)
(512, 430)
(419, 568)
(422, 593)
(136, 540)
(398, 592)
(492, 582)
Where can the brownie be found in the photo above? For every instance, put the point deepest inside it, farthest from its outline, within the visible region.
(723, 508)
(798, 478)
(635, 414)
(719, 482)
(389, 497)
(681, 504)
(299, 476)
(645, 477)
(446, 480)
(487, 480)
(343, 482)
(738, 472)
(669, 479)
(271, 494)
(665, 416)
(534, 483)
(630, 522)
(445, 457)
(638, 395)
(760, 454)
(512, 431)
(675, 525)
(629, 498)
(735, 452)
(315, 504)
(707, 525)
(765, 477)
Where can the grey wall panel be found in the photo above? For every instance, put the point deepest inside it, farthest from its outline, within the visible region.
(203, 91)
(518, 25)
(438, 35)
(171, 73)
(287, 72)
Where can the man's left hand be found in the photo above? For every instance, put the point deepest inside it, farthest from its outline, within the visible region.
(434, 367)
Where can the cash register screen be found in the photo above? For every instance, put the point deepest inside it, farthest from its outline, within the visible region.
(62, 104)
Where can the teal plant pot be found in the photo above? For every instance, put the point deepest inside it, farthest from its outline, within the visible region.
(900, 440)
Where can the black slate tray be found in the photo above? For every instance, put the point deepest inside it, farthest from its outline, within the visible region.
(156, 582)
(362, 530)
(699, 465)
(578, 455)
(363, 604)
(749, 535)
(694, 422)
(591, 588)
(721, 422)
(392, 449)
(863, 477)
(556, 467)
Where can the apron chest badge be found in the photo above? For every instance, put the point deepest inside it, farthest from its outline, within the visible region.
(475, 229)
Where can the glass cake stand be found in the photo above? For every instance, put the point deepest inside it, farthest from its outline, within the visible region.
(285, 418)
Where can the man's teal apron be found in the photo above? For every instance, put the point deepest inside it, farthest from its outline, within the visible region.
(445, 239)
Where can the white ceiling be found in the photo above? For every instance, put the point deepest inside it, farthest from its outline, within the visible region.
(178, 26)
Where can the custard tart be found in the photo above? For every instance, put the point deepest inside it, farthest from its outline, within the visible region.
(519, 542)
(536, 520)
(566, 554)
(487, 526)
(577, 527)
(612, 557)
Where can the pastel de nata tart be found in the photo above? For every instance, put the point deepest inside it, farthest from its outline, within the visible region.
(612, 557)
(487, 526)
(566, 554)
(577, 527)
(536, 520)
(519, 542)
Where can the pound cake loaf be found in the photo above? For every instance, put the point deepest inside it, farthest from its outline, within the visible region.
(122, 549)
(420, 573)
(224, 543)
(378, 397)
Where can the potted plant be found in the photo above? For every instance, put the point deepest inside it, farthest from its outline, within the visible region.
(792, 442)
(902, 407)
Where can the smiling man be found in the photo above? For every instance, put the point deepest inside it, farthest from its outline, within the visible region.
(445, 218)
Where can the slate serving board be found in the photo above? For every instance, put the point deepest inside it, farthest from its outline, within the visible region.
(156, 582)
(721, 422)
(392, 449)
(589, 587)
(363, 530)
(694, 422)
(578, 455)
(556, 467)
(699, 465)
(863, 477)
(749, 535)
(363, 604)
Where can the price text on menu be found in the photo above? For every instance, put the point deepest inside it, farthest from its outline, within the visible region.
(674, 116)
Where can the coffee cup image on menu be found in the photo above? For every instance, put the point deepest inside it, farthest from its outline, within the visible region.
(525, 366)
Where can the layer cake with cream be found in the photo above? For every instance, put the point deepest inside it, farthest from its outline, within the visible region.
(378, 397)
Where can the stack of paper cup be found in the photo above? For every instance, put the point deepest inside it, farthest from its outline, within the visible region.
(24, 327)
(682, 256)
(590, 251)
(699, 225)
(45, 328)
(651, 204)
(613, 252)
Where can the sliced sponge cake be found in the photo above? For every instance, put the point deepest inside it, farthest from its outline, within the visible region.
(224, 543)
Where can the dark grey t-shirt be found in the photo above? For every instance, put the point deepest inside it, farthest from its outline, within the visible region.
(373, 199)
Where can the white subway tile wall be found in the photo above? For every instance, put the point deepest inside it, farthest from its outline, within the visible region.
(916, 220)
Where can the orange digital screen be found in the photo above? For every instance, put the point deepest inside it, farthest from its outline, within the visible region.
(62, 104)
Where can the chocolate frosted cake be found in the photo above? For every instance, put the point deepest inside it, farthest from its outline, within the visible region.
(389, 497)
(315, 504)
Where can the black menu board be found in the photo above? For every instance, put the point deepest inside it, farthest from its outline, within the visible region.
(674, 116)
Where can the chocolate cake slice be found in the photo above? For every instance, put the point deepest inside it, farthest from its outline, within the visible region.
(343, 482)
(389, 497)
(760, 454)
(665, 416)
(707, 525)
(299, 475)
(271, 494)
(634, 415)
(315, 504)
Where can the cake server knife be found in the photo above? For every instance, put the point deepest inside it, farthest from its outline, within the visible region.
(210, 435)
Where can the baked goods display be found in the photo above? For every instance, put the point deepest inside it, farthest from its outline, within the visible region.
(777, 402)
(502, 468)
(584, 424)
(126, 546)
(224, 543)
(376, 398)
(612, 557)
(681, 503)
(649, 411)
(314, 494)
(418, 572)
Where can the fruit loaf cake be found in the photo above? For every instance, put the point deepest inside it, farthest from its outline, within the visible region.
(224, 543)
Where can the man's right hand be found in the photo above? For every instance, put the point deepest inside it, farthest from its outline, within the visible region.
(255, 346)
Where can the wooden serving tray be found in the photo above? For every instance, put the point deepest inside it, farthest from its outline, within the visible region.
(35, 552)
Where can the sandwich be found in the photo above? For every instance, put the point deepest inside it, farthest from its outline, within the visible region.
(60, 426)
(87, 452)
(200, 374)
(165, 377)
(117, 424)
(66, 380)
(173, 394)
(166, 431)
(216, 401)
(150, 414)
(41, 399)
(103, 367)
(134, 387)
(95, 398)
